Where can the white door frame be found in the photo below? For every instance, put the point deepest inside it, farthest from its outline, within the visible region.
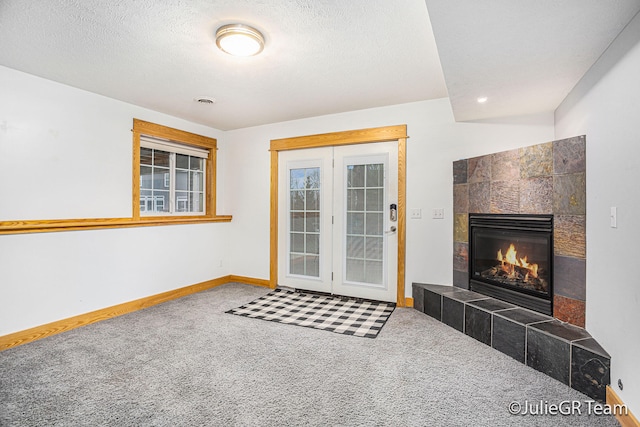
(389, 133)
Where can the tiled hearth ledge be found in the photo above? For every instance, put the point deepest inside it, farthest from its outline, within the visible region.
(560, 350)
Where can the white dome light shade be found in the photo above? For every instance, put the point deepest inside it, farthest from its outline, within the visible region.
(239, 40)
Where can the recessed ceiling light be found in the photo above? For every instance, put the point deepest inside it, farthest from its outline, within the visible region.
(239, 40)
(482, 99)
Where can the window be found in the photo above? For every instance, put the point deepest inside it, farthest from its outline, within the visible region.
(174, 173)
(172, 178)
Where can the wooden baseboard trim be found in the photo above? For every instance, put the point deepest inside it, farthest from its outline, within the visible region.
(624, 417)
(249, 280)
(53, 328)
(28, 335)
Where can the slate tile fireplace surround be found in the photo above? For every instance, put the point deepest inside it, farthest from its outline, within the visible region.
(541, 181)
(544, 179)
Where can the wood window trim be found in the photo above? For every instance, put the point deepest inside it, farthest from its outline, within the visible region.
(140, 127)
(361, 136)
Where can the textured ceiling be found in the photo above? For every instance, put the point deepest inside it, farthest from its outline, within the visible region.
(321, 56)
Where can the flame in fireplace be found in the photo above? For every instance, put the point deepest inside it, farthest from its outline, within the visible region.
(510, 261)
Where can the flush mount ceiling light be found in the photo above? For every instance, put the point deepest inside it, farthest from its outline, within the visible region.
(482, 99)
(239, 40)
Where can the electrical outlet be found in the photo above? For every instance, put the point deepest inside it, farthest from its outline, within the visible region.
(416, 213)
(438, 213)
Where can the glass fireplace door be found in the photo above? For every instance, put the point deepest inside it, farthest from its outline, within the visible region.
(511, 258)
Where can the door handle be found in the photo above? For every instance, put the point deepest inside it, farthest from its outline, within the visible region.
(391, 230)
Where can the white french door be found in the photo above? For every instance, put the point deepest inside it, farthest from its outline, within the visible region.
(304, 218)
(365, 241)
(336, 229)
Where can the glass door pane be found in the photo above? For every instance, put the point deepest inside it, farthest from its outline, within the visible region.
(304, 221)
(364, 223)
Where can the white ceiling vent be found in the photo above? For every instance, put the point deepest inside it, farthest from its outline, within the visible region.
(205, 100)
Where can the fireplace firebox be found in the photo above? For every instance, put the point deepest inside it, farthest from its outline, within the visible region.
(511, 258)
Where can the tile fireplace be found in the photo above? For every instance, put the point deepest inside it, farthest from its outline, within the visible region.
(520, 235)
(544, 179)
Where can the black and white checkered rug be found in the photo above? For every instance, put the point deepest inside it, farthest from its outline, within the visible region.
(341, 315)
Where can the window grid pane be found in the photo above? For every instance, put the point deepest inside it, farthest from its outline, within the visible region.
(154, 181)
(146, 156)
(189, 179)
(365, 222)
(304, 221)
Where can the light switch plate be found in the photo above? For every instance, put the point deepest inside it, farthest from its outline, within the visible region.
(438, 213)
(416, 213)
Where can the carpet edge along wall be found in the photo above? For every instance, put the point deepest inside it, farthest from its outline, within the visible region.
(53, 328)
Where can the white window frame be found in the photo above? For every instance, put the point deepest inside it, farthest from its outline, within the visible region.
(172, 148)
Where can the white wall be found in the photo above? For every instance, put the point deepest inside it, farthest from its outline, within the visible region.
(436, 140)
(605, 106)
(65, 154)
